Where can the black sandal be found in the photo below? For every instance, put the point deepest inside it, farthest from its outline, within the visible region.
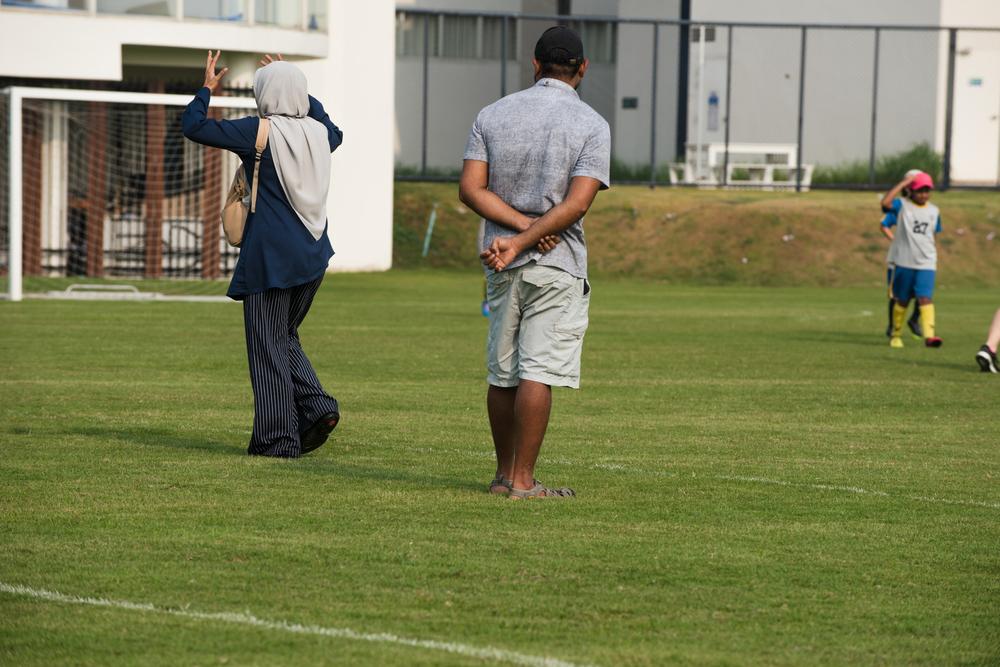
(314, 436)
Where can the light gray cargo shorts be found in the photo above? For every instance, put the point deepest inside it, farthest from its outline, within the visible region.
(538, 315)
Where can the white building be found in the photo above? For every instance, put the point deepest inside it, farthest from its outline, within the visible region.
(691, 99)
(156, 43)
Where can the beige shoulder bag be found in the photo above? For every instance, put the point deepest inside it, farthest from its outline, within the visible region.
(234, 213)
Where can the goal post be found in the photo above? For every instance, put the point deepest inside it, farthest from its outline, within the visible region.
(102, 184)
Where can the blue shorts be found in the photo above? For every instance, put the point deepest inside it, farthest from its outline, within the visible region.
(909, 283)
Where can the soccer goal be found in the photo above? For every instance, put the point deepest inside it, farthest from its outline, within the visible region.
(101, 190)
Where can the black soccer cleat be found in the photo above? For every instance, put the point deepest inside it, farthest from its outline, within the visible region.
(987, 360)
(915, 328)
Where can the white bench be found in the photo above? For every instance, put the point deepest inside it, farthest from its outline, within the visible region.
(767, 166)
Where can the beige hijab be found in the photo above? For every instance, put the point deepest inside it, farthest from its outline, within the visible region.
(300, 146)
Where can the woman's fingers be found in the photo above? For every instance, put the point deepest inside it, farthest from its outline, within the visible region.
(211, 62)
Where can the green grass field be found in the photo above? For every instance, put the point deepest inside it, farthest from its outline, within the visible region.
(761, 481)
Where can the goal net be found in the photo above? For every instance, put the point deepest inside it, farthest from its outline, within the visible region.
(101, 193)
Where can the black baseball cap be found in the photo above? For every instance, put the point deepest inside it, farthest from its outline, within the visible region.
(560, 45)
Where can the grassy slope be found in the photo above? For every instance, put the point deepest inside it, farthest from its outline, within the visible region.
(122, 427)
(701, 237)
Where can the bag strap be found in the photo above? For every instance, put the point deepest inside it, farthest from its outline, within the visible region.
(262, 129)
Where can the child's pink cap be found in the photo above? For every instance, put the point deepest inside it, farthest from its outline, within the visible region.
(921, 181)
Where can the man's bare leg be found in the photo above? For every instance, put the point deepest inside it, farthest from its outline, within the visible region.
(993, 338)
(500, 406)
(531, 418)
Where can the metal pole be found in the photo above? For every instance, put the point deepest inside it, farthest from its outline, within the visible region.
(700, 106)
(802, 99)
(14, 206)
(949, 110)
(871, 146)
(423, 128)
(652, 106)
(729, 88)
(683, 72)
(503, 57)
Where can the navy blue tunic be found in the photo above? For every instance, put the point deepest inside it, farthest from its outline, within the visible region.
(277, 249)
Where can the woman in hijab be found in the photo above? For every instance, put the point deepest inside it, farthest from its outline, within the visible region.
(285, 248)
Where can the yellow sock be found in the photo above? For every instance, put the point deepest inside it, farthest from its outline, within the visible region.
(927, 319)
(898, 316)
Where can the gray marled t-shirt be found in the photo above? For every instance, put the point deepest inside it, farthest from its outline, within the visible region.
(535, 142)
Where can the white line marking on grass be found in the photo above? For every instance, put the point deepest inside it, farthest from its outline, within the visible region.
(946, 501)
(484, 653)
(822, 487)
(858, 490)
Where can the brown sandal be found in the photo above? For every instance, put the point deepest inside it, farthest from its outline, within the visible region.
(500, 485)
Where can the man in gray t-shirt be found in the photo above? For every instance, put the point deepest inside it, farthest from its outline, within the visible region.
(534, 162)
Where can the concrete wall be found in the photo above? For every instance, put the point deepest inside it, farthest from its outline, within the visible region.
(632, 128)
(360, 100)
(457, 90)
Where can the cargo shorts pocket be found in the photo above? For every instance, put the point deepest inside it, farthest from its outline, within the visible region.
(567, 346)
(543, 276)
(568, 332)
(571, 329)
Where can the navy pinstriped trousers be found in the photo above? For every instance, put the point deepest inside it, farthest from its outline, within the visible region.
(287, 395)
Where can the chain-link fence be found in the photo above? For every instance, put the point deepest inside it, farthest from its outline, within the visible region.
(717, 103)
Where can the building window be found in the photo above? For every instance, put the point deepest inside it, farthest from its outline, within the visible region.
(282, 13)
(410, 33)
(709, 34)
(459, 36)
(46, 4)
(464, 37)
(600, 40)
(220, 10)
(316, 19)
(143, 7)
(492, 42)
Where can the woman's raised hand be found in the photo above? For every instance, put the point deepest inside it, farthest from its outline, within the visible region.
(267, 59)
(212, 78)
